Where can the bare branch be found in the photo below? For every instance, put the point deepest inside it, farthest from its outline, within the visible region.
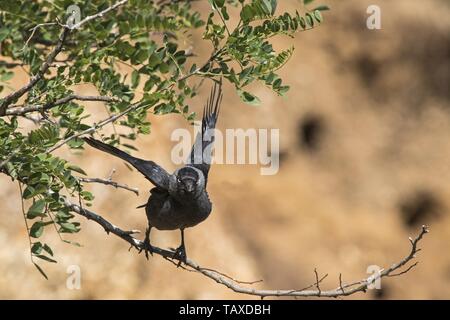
(33, 31)
(236, 286)
(22, 110)
(319, 291)
(404, 271)
(111, 228)
(317, 282)
(95, 126)
(231, 278)
(99, 14)
(210, 59)
(110, 183)
(340, 283)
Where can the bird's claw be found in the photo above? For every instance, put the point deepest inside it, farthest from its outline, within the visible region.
(180, 255)
(148, 248)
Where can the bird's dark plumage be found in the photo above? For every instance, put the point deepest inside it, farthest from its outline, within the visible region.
(156, 174)
(200, 156)
(178, 200)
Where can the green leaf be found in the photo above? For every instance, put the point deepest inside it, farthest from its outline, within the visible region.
(63, 215)
(86, 195)
(225, 14)
(219, 3)
(28, 192)
(41, 256)
(6, 76)
(154, 60)
(129, 146)
(75, 168)
(40, 270)
(39, 177)
(37, 209)
(135, 79)
(4, 32)
(309, 19)
(318, 16)
(249, 98)
(274, 5)
(164, 67)
(73, 243)
(37, 229)
(75, 143)
(322, 8)
(36, 248)
(48, 249)
(68, 227)
(140, 56)
(247, 13)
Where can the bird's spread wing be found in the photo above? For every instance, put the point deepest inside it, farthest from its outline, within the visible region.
(200, 156)
(153, 172)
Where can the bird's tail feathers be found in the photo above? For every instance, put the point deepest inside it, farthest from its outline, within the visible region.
(212, 108)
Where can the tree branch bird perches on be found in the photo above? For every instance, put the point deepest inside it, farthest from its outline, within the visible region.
(178, 200)
(344, 289)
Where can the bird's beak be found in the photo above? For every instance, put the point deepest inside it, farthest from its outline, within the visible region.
(189, 187)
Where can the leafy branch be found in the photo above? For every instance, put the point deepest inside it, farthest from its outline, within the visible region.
(136, 56)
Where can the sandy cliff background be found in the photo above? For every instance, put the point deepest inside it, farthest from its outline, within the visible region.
(365, 161)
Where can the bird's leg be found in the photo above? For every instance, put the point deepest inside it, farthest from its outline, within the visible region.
(148, 248)
(180, 252)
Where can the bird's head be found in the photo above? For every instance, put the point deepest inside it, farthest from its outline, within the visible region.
(188, 182)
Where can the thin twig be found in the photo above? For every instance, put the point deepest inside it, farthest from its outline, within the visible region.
(22, 110)
(404, 271)
(223, 21)
(55, 226)
(33, 31)
(26, 221)
(95, 127)
(319, 292)
(231, 278)
(99, 14)
(210, 59)
(340, 283)
(311, 285)
(110, 183)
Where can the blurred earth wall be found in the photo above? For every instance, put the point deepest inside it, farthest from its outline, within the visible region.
(365, 161)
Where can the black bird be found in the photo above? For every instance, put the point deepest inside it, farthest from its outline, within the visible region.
(178, 200)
